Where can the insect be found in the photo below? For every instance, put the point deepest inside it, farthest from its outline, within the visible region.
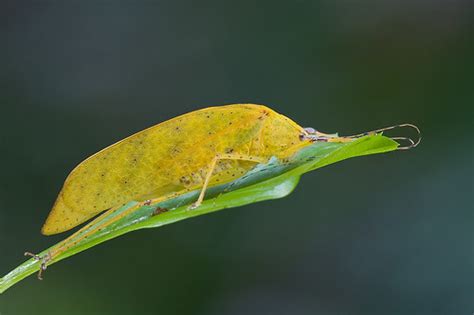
(193, 151)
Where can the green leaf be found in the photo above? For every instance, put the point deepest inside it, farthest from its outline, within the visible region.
(276, 179)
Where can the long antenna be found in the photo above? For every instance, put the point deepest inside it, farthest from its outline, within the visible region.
(411, 143)
(314, 135)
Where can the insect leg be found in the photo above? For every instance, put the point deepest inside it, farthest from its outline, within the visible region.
(97, 225)
(66, 243)
(43, 259)
(82, 233)
(212, 166)
(105, 219)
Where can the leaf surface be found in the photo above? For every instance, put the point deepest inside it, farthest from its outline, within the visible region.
(276, 179)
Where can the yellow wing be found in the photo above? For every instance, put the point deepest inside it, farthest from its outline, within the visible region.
(166, 158)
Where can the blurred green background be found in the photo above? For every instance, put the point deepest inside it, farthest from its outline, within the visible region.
(385, 234)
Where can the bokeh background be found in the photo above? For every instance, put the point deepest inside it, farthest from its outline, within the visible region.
(384, 234)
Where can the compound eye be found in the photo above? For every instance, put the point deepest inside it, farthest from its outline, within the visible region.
(310, 130)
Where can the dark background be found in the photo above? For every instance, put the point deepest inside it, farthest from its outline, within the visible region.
(384, 234)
